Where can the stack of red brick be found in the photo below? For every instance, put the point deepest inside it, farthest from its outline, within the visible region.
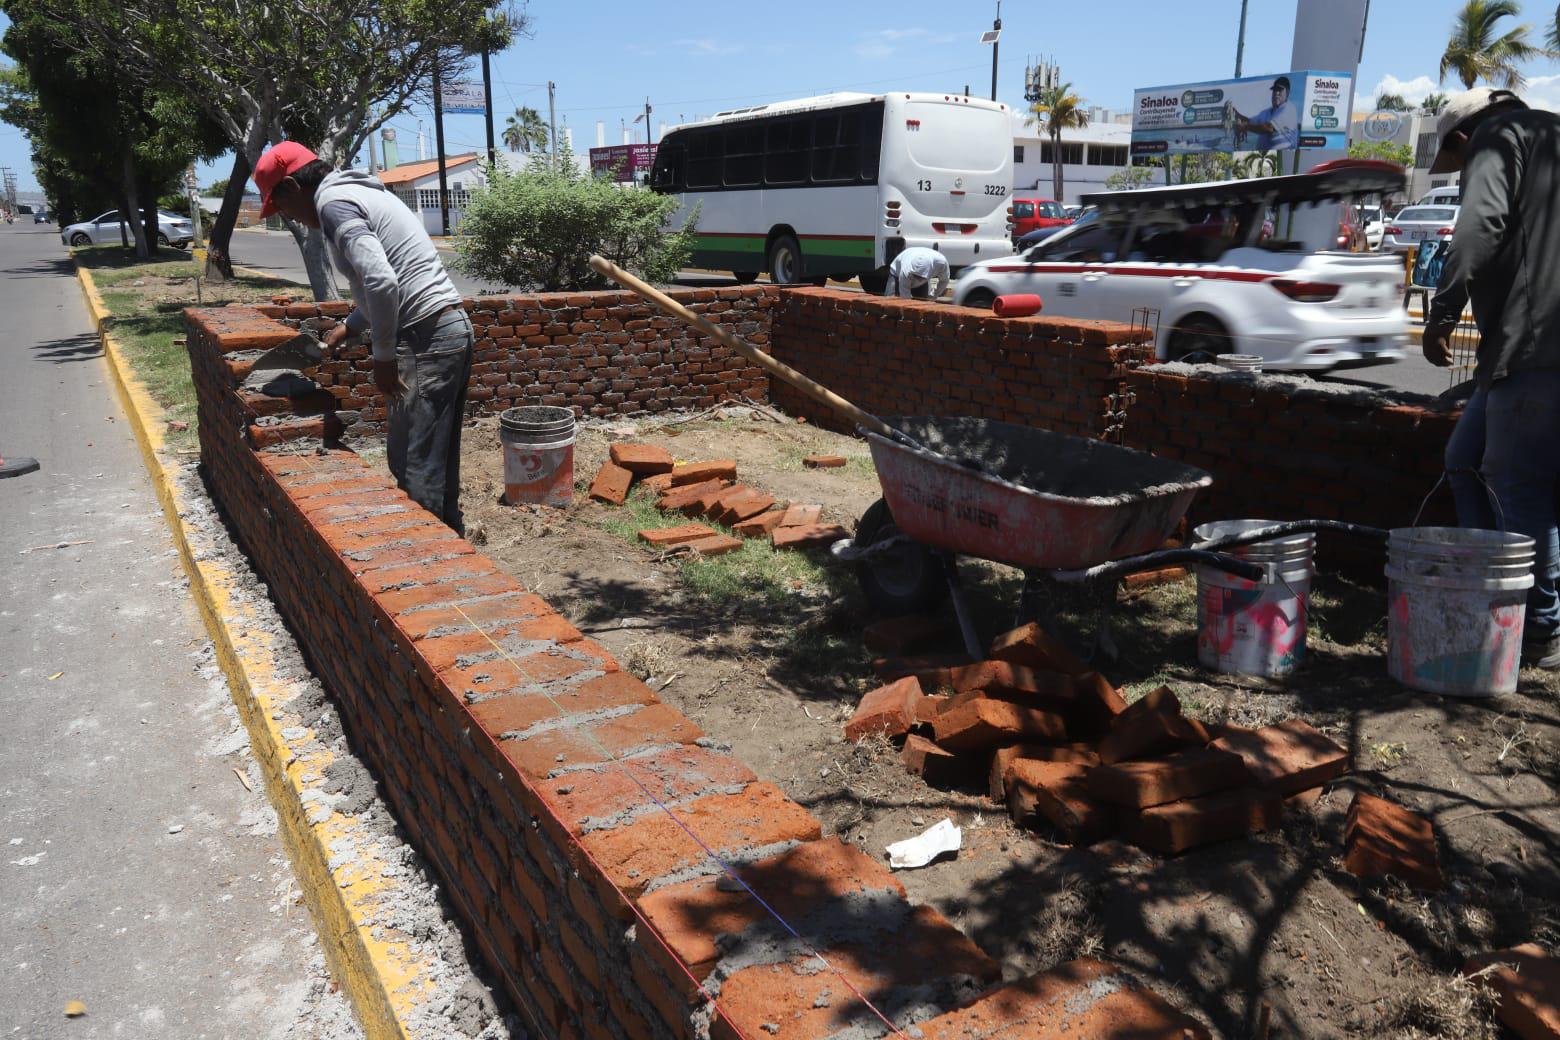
(708, 490)
(1057, 741)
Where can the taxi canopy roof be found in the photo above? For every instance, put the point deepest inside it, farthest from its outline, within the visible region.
(1341, 178)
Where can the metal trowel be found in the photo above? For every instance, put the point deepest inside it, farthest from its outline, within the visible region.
(279, 371)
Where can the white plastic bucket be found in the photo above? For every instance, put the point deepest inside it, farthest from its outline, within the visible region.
(538, 455)
(1239, 362)
(1456, 603)
(1255, 627)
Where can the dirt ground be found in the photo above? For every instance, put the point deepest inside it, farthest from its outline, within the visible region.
(765, 654)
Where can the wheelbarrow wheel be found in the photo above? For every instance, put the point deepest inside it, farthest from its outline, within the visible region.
(905, 579)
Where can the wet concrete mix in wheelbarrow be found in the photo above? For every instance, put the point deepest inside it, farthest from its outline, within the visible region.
(764, 650)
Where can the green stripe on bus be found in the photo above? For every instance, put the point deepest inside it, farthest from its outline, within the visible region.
(852, 247)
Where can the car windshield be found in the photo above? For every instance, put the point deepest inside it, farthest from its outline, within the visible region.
(111, 217)
(1052, 209)
(1090, 243)
(1023, 209)
(1428, 214)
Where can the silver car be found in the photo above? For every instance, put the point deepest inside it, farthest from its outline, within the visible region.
(172, 230)
(1416, 225)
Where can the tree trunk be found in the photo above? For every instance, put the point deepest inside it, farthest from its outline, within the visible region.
(219, 260)
(1056, 163)
(151, 220)
(133, 202)
(311, 243)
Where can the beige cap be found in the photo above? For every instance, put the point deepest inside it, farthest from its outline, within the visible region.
(1459, 109)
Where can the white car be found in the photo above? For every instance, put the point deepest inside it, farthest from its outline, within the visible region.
(1416, 225)
(1373, 223)
(103, 229)
(1197, 254)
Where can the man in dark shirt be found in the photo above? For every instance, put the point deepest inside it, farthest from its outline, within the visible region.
(1503, 459)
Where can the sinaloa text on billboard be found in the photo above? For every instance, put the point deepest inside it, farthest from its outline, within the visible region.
(1257, 113)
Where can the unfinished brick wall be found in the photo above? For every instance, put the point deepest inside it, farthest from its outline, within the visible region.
(912, 357)
(601, 353)
(556, 796)
(1280, 450)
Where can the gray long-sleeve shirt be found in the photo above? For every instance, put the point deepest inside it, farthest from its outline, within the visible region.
(396, 274)
(1505, 242)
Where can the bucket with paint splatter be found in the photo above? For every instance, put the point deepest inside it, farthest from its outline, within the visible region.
(1456, 603)
(538, 455)
(1255, 627)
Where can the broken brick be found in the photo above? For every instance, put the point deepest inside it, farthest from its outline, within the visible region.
(713, 545)
(824, 461)
(758, 526)
(611, 484)
(1178, 826)
(658, 483)
(930, 762)
(1034, 647)
(661, 536)
(1382, 837)
(698, 472)
(674, 500)
(801, 515)
(644, 460)
(807, 536)
(1002, 758)
(1527, 981)
(896, 635)
(1156, 781)
(984, 723)
(1151, 726)
(1288, 758)
(1059, 791)
(889, 710)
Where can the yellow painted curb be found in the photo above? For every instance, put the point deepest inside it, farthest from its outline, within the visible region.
(382, 977)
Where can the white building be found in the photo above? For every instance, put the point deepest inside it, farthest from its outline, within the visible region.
(417, 185)
(1088, 156)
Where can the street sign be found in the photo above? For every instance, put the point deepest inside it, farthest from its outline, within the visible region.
(463, 97)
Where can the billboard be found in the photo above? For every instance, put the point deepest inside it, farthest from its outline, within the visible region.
(463, 98)
(1257, 113)
(624, 163)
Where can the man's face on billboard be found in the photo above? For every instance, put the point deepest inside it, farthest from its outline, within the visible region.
(1280, 95)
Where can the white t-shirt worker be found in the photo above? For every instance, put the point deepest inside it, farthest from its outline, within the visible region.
(913, 271)
(1278, 125)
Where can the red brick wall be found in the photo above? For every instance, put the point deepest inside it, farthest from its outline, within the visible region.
(910, 357)
(1282, 452)
(535, 775)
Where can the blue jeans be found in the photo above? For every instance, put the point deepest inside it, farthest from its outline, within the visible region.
(1510, 435)
(423, 445)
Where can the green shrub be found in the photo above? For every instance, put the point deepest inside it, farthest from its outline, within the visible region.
(537, 228)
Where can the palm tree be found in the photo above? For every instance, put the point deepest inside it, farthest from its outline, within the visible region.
(1392, 103)
(1433, 104)
(1553, 35)
(1475, 52)
(1259, 164)
(1062, 110)
(525, 130)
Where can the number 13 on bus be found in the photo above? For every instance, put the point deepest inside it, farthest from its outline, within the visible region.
(836, 186)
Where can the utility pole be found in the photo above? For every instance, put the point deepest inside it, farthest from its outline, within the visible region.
(996, 43)
(487, 94)
(552, 123)
(647, 121)
(1240, 41)
(194, 193)
(438, 140)
(373, 160)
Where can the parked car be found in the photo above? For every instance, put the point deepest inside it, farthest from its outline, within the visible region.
(1032, 214)
(1373, 223)
(1196, 254)
(1038, 235)
(40, 217)
(172, 230)
(1416, 225)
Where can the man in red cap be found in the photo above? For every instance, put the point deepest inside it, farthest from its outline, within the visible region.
(420, 336)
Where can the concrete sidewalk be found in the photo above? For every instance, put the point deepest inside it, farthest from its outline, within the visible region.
(141, 875)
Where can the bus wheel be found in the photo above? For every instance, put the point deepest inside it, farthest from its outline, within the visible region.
(873, 282)
(785, 261)
(745, 277)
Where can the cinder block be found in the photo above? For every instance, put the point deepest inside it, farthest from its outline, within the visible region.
(1287, 758)
(889, 710)
(1382, 837)
(645, 460)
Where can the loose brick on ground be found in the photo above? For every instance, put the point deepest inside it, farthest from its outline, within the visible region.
(901, 634)
(934, 670)
(807, 536)
(611, 484)
(1002, 758)
(659, 483)
(1382, 837)
(644, 460)
(930, 762)
(1096, 706)
(744, 508)
(661, 536)
(1527, 982)
(1184, 825)
(1151, 726)
(824, 461)
(1155, 781)
(801, 515)
(929, 707)
(759, 526)
(1034, 647)
(698, 472)
(713, 545)
(986, 723)
(1288, 758)
(709, 503)
(889, 710)
(674, 500)
(1059, 791)
(1014, 680)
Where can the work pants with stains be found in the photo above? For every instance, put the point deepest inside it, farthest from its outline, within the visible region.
(423, 446)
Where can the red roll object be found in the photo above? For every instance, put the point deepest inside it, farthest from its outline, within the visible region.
(1018, 305)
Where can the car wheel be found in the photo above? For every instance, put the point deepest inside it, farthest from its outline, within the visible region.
(80, 238)
(906, 579)
(873, 282)
(785, 261)
(1198, 340)
(162, 240)
(745, 277)
(980, 299)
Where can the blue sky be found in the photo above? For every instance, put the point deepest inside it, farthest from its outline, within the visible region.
(606, 57)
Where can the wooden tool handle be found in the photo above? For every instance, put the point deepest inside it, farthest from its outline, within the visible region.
(779, 369)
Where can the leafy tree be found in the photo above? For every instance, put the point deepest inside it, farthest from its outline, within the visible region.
(1382, 151)
(216, 189)
(1060, 109)
(525, 130)
(1478, 50)
(1392, 103)
(536, 228)
(1433, 104)
(1203, 167)
(1130, 177)
(1259, 164)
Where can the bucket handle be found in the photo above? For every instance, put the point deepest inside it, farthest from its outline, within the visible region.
(1500, 514)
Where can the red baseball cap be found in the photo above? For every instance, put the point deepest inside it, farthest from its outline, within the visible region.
(281, 160)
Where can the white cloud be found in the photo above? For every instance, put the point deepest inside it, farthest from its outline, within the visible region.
(885, 42)
(1542, 92)
(1413, 90)
(705, 45)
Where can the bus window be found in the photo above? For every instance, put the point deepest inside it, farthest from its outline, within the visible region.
(668, 174)
(787, 148)
(744, 155)
(836, 147)
(704, 158)
(871, 117)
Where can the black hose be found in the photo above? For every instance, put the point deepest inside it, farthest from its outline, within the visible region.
(1164, 558)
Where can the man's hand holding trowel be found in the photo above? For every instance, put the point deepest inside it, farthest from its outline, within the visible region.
(387, 374)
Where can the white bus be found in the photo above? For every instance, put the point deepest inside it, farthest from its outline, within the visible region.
(836, 186)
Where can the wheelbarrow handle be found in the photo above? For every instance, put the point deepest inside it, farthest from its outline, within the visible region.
(1286, 528)
(1164, 558)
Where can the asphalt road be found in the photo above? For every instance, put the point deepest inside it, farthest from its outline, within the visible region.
(138, 874)
(275, 253)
